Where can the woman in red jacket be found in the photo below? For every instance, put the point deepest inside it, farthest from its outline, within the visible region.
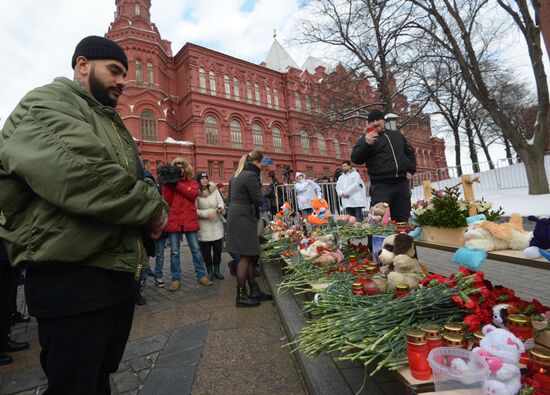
(183, 218)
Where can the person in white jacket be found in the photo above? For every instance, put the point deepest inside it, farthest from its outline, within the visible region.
(305, 191)
(210, 209)
(351, 189)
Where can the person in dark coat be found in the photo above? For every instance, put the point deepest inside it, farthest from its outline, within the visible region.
(391, 163)
(245, 199)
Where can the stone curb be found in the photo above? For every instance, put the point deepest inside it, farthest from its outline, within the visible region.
(320, 374)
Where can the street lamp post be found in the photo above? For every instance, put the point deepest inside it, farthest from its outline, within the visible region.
(391, 121)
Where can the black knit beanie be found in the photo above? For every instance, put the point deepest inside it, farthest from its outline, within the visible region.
(96, 47)
(201, 175)
(375, 115)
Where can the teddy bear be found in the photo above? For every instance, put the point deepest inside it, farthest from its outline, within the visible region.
(488, 236)
(377, 213)
(321, 212)
(398, 262)
(501, 350)
(540, 242)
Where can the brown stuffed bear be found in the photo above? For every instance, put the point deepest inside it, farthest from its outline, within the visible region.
(399, 264)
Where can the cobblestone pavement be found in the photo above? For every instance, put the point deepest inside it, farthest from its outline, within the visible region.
(192, 341)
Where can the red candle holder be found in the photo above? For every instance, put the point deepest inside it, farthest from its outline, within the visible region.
(521, 326)
(417, 353)
(401, 290)
(538, 367)
(433, 336)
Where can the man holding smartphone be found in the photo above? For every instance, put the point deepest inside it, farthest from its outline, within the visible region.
(390, 162)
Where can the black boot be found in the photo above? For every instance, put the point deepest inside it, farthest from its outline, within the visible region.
(210, 273)
(257, 293)
(217, 274)
(139, 299)
(243, 300)
(5, 359)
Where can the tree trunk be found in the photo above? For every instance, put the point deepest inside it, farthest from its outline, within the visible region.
(458, 160)
(485, 149)
(508, 150)
(472, 146)
(533, 160)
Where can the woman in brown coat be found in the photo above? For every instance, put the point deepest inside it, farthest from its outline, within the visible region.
(245, 198)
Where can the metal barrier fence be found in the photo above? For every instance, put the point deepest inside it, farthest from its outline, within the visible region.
(287, 193)
(503, 176)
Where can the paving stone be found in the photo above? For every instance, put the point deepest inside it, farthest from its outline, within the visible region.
(141, 363)
(133, 392)
(176, 358)
(187, 337)
(23, 380)
(169, 381)
(145, 346)
(142, 376)
(125, 381)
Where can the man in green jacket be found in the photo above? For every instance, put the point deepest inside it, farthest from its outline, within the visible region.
(74, 208)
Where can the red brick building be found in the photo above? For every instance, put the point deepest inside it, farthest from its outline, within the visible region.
(212, 108)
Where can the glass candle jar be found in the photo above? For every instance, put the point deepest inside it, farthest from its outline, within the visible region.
(357, 288)
(433, 336)
(417, 353)
(477, 335)
(538, 368)
(454, 327)
(401, 290)
(521, 326)
(371, 269)
(353, 259)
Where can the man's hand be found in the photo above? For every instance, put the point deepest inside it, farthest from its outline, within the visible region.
(157, 227)
(371, 137)
(409, 176)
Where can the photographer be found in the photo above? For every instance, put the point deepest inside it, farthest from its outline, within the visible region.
(180, 191)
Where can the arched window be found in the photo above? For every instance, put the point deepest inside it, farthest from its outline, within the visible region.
(137, 9)
(321, 145)
(139, 73)
(277, 139)
(350, 147)
(268, 95)
(236, 134)
(257, 93)
(148, 126)
(297, 101)
(248, 92)
(227, 87)
(211, 126)
(236, 89)
(337, 149)
(257, 136)
(202, 80)
(150, 79)
(308, 104)
(212, 83)
(304, 139)
(276, 98)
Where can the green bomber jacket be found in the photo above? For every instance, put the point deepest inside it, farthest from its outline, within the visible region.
(69, 183)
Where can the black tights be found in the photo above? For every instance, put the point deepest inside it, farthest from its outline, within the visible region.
(245, 271)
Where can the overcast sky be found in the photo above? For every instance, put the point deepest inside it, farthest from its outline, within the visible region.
(37, 37)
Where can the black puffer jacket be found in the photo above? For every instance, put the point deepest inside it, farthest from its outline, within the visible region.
(388, 159)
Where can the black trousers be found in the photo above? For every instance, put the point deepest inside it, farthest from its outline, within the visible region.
(211, 252)
(79, 352)
(398, 196)
(8, 283)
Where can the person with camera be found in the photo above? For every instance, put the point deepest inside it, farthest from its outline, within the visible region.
(245, 199)
(211, 209)
(391, 163)
(180, 190)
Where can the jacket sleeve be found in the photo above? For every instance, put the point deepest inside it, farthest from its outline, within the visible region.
(56, 152)
(301, 187)
(361, 151)
(252, 185)
(355, 186)
(219, 200)
(409, 152)
(189, 190)
(317, 189)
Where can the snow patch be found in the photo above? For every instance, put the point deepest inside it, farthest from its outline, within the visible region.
(170, 140)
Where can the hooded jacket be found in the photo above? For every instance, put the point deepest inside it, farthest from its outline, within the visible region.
(183, 211)
(350, 183)
(305, 191)
(208, 202)
(69, 184)
(387, 160)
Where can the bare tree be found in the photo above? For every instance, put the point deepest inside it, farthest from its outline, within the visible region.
(456, 27)
(372, 36)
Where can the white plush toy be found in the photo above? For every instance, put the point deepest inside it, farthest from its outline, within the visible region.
(488, 236)
(502, 350)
